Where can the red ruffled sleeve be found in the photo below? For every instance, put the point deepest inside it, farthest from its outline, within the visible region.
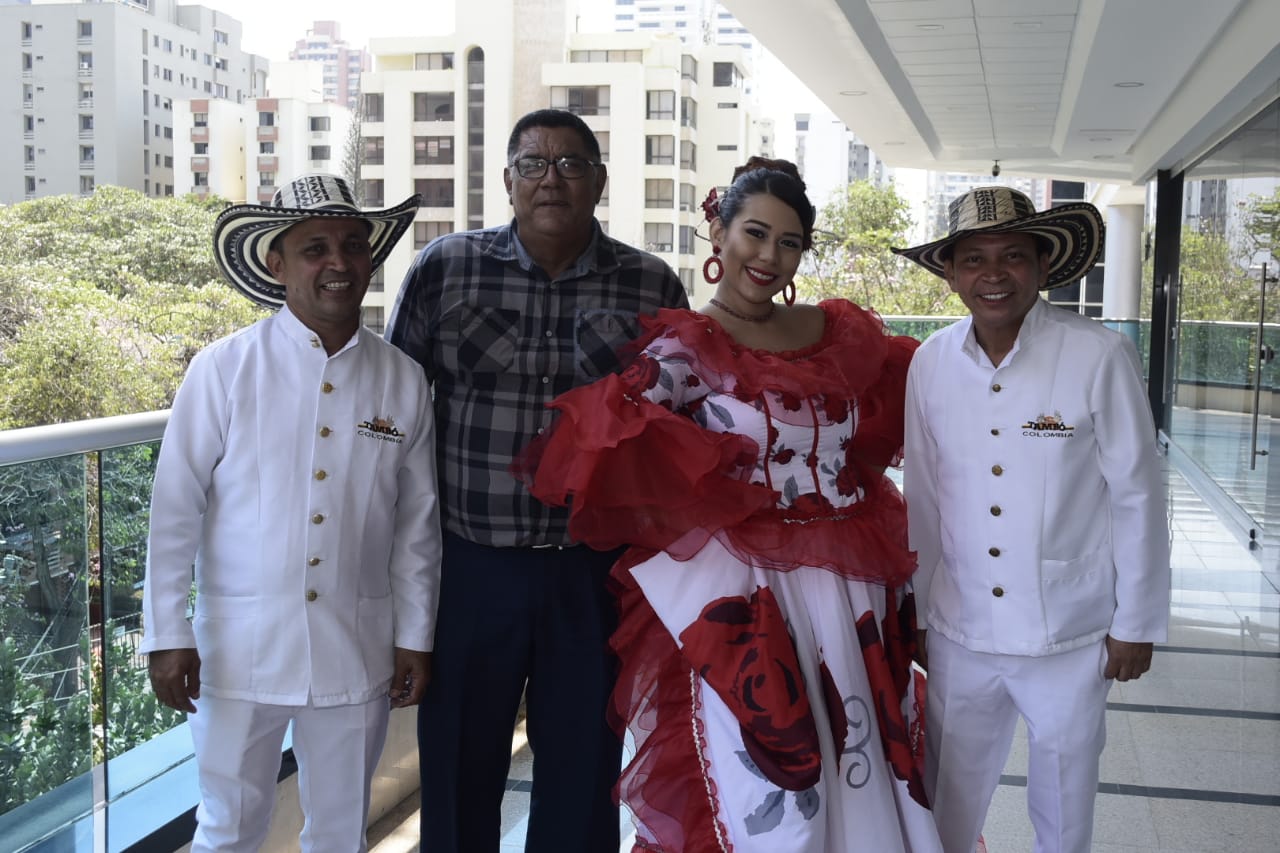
(634, 473)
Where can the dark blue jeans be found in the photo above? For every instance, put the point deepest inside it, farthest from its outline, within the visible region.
(520, 620)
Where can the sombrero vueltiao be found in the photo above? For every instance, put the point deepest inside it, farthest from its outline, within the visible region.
(243, 233)
(1073, 231)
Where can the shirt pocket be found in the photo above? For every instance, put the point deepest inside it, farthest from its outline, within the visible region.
(1079, 595)
(226, 640)
(598, 333)
(485, 339)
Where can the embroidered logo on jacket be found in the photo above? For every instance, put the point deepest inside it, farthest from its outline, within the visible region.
(383, 429)
(1047, 426)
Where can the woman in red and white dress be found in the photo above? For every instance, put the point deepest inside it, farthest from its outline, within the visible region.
(767, 624)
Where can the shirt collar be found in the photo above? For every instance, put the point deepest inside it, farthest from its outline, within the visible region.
(598, 258)
(1030, 323)
(296, 331)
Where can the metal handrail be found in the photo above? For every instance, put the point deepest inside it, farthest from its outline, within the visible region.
(32, 444)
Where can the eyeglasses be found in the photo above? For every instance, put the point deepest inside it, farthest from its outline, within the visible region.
(566, 167)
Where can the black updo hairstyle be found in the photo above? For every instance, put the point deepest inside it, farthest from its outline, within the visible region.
(778, 178)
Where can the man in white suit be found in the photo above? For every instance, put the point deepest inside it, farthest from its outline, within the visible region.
(297, 475)
(1037, 508)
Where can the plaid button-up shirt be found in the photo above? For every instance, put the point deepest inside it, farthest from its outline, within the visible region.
(499, 340)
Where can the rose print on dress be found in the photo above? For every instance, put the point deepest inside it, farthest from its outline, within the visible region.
(741, 648)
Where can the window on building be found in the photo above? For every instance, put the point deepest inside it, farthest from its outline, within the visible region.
(433, 106)
(602, 137)
(320, 152)
(371, 192)
(658, 236)
(659, 193)
(266, 119)
(688, 197)
(84, 29)
(425, 232)
(659, 150)
(373, 318)
(320, 123)
(724, 74)
(30, 184)
(200, 179)
(686, 239)
(686, 278)
(86, 185)
(432, 61)
(26, 62)
(200, 119)
(688, 155)
(28, 153)
(86, 93)
(267, 179)
(201, 148)
(26, 31)
(266, 148)
(428, 150)
(581, 100)
(661, 104)
(373, 151)
(219, 37)
(86, 123)
(28, 94)
(435, 192)
(377, 281)
(28, 124)
(688, 67)
(373, 106)
(726, 148)
(688, 112)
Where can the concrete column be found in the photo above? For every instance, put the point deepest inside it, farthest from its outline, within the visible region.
(1122, 274)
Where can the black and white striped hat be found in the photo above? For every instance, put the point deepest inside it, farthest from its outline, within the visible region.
(1073, 231)
(243, 233)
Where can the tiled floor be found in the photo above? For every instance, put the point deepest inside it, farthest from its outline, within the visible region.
(1193, 754)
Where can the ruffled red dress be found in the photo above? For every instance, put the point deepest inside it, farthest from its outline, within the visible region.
(767, 626)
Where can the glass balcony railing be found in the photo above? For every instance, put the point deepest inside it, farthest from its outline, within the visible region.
(80, 728)
(81, 735)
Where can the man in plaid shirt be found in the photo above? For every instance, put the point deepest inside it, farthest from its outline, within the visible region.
(503, 320)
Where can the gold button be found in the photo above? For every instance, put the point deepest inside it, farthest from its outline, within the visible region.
(312, 595)
(997, 470)
(995, 431)
(317, 518)
(996, 387)
(325, 432)
(995, 510)
(321, 474)
(314, 561)
(327, 387)
(998, 591)
(995, 552)
(315, 343)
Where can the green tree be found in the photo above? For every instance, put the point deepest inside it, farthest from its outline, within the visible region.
(1216, 281)
(852, 257)
(104, 301)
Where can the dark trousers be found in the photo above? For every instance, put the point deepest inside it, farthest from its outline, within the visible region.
(520, 620)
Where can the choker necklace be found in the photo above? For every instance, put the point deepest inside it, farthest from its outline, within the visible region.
(763, 318)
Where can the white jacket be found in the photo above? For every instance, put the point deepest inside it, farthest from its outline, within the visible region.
(1034, 492)
(302, 487)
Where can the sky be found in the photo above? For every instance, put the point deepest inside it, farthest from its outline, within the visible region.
(271, 27)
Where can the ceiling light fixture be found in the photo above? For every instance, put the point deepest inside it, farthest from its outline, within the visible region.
(929, 26)
(895, 142)
(1130, 84)
(853, 93)
(1027, 25)
(1099, 138)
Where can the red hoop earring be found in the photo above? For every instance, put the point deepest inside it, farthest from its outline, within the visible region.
(713, 261)
(789, 293)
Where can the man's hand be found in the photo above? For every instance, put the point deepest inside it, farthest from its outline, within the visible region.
(1126, 660)
(413, 671)
(175, 677)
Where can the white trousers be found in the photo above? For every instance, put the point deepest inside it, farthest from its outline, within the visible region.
(237, 749)
(973, 704)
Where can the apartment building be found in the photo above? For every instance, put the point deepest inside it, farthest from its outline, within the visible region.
(98, 82)
(342, 64)
(673, 120)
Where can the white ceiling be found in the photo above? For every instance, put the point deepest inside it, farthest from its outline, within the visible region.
(1107, 90)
